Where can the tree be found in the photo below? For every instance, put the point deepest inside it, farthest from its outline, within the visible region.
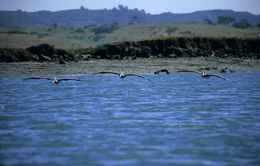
(225, 20)
(135, 19)
(242, 24)
(42, 49)
(121, 7)
(208, 21)
(105, 28)
(171, 30)
(55, 25)
(82, 7)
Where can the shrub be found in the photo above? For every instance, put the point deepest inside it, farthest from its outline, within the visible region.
(186, 33)
(105, 28)
(208, 21)
(14, 55)
(243, 24)
(21, 54)
(42, 49)
(79, 30)
(226, 19)
(64, 55)
(171, 30)
(6, 56)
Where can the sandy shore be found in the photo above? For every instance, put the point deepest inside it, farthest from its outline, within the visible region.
(140, 66)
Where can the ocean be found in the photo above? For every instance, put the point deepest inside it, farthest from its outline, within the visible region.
(177, 119)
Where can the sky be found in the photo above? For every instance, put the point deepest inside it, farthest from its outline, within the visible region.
(150, 6)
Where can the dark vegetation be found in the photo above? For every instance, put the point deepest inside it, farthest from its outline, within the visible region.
(225, 20)
(164, 47)
(105, 28)
(174, 47)
(228, 20)
(242, 24)
(40, 53)
(122, 15)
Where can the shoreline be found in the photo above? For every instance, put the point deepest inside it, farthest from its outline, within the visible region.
(138, 66)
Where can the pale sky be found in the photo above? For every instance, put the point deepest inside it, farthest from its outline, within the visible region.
(150, 6)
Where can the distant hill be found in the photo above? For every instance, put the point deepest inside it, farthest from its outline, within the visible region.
(122, 15)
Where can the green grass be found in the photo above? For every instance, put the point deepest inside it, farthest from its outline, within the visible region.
(84, 37)
(24, 41)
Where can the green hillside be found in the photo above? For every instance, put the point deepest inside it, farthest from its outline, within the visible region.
(91, 36)
(121, 14)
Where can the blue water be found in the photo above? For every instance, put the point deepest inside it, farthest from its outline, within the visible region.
(180, 119)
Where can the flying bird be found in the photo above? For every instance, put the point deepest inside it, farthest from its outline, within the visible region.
(121, 75)
(54, 80)
(162, 70)
(203, 74)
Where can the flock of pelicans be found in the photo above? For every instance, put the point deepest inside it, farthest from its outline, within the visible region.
(123, 75)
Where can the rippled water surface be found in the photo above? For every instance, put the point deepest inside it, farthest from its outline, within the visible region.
(180, 119)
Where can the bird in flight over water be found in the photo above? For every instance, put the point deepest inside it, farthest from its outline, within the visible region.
(54, 80)
(203, 74)
(121, 75)
(162, 70)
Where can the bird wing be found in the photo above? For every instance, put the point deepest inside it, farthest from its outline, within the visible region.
(138, 76)
(191, 71)
(166, 71)
(39, 78)
(162, 70)
(217, 76)
(106, 72)
(67, 79)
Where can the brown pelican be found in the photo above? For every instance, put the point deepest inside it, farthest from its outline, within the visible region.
(203, 74)
(121, 75)
(54, 80)
(162, 70)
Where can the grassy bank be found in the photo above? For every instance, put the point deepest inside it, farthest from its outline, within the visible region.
(158, 47)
